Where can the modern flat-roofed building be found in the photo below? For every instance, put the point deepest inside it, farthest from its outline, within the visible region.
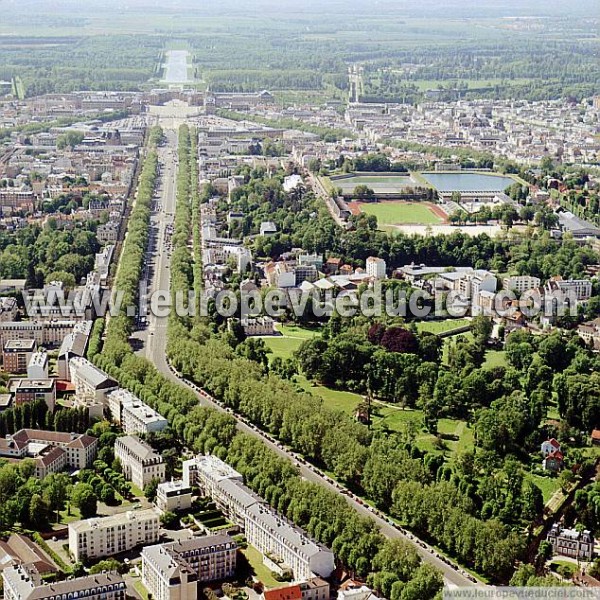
(580, 288)
(25, 583)
(16, 355)
(28, 390)
(106, 536)
(375, 267)
(521, 283)
(137, 417)
(139, 462)
(91, 385)
(173, 496)
(173, 571)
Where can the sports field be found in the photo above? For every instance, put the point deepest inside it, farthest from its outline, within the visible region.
(401, 213)
(390, 184)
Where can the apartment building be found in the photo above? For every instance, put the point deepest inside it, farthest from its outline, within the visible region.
(132, 414)
(73, 344)
(139, 463)
(45, 333)
(25, 583)
(521, 283)
(137, 417)
(8, 309)
(572, 543)
(375, 267)
(287, 546)
(37, 368)
(28, 390)
(90, 539)
(173, 496)
(16, 355)
(581, 289)
(173, 571)
(91, 385)
(52, 451)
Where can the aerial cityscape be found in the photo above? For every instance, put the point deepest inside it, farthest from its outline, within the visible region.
(299, 301)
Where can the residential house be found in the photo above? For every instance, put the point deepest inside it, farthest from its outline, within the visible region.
(570, 542)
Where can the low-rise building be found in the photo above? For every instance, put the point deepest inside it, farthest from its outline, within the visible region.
(25, 583)
(173, 496)
(580, 289)
(572, 543)
(90, 539)
(173, 571)
(139, 463)
(28, 390)
(52, 451)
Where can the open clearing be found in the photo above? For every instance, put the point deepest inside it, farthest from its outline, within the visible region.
(401, 213)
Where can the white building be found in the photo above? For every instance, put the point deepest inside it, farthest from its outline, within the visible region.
(91, 385)
(173, 496)
(375, 267)
(173, 571)
(265, 529)
(139, 463)
(106, 536)
(137, 417)
(25, 583)
(520, 283)
(38, 366)
(132, 414)
(581, 289)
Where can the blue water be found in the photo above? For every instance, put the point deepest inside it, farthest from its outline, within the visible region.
(467, 182)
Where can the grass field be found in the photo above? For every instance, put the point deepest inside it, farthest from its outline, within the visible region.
(289, 341)
(380, 184)
(442, 326)
(548, 485)
(261, 572)
(399, 213)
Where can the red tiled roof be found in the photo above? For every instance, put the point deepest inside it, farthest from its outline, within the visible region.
(292, 592)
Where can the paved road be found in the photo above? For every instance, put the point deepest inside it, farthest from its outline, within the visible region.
(176, 67)
(155, 351)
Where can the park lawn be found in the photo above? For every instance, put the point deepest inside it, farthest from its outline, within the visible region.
(548, 485)
(260, 570)
(495, 358)
(398, 213)
(66, 518)
(289, 341)
(336, 399)
(442, 326)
